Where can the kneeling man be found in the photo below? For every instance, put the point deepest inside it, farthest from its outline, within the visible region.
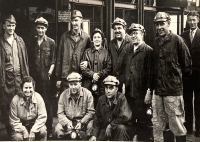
(75, 108)
(112, 120)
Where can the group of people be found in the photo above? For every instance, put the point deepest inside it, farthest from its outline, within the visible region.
(124, 90)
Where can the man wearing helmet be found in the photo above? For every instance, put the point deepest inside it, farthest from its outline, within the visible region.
(171, 59)
(42, 61)
(13, 67)
(75, 108)
(137, 81)
(112, 119)
(117, 49)
(72, 46)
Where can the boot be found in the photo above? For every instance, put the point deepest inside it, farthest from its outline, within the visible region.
(168, 136)
(181, 138)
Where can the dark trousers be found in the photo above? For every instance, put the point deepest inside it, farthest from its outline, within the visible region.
(119, 133)
(44, 89)
(141, 121)
(191, 90)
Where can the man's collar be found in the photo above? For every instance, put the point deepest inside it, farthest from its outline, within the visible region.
(76, 34)
(14, 36)
(140, 47)
(114, 101)
(44, 37)
(194, 31)
(80, 93)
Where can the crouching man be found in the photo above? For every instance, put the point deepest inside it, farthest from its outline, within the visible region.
(75, 109)
(28, 114)
(112, 119)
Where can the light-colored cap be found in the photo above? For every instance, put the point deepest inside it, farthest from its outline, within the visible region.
(162, 17)
(76, 13)
(118, 21)
(111, 80)
(42, 21)
(74, 76)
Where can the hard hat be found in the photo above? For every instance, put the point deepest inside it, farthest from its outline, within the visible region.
(162, 16)
(136, 27)
(74, 76)
(118, 21)
(11, 19)
(42, 21)
(111, 80)
(76, 13)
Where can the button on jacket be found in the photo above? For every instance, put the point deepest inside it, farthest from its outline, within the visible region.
(70, 53)
(118, 56)
(19, 114)
(82, 110)
(118, 113)
(137, 71)
(171, 58)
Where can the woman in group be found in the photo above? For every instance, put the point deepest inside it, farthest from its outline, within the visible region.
(28, 113)
(99, 65)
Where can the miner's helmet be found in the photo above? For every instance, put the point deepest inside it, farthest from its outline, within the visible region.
(74, 76)
(41, 21)
(118, 21)
(193, 13)
(136, 27)
(111, 80)
(162, 17)
(10, 18)
(76, 13)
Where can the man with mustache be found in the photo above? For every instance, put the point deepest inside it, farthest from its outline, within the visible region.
(117, 48)
(191, 84)
(13, 67)
(72, 46)
(170, 60)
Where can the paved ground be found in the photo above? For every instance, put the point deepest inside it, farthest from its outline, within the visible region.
(3, 134)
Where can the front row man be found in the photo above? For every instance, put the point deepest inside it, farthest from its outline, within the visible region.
(112, 120)
(75, 108)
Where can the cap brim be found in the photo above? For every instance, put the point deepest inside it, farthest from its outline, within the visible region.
(160, 20)
(110, 83)
(117, 23)
(74, 80)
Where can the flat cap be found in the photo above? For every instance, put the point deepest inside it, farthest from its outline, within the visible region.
(11, 19)
(74, 76)
(193, 13)
(136, 27)
(111, 80)
(42, 21)
(162, 16)
(76, 13)
(118, 21)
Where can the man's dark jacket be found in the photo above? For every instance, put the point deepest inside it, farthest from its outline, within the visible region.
(171, 59)
(194, 48)
(23, 60)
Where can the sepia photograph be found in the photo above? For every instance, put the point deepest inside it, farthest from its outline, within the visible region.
(100, 70)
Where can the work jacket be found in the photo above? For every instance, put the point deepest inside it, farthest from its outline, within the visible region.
(70, 53)
(171, 59)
